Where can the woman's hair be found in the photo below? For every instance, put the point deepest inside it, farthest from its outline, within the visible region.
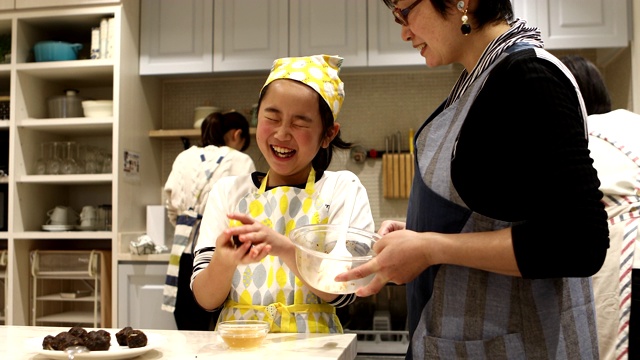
(594, 91)
(216, 125)
(486, 12)
(323, 158)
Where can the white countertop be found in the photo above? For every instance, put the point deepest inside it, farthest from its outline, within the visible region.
(17, 342)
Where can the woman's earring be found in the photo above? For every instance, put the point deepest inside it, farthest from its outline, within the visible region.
(466, 27)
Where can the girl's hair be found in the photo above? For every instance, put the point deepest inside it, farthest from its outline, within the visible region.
(216, 125)
(594, 91)
(487, 11)
(323, 158)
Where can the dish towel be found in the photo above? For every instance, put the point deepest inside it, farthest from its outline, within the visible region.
(187, 228)
(629, 214)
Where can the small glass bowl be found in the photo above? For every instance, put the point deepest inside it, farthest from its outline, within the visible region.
(243, 334)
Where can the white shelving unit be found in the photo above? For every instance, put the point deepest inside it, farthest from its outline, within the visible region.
(55, 275)
(3, 286)
(136, 107)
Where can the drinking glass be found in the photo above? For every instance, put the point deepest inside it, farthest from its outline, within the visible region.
(90, 163)
(68, 164)
(41, 164)
(53, 160)
(79, 157)
(106, 164)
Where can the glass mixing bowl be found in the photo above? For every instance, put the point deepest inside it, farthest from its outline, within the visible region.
(318, 268)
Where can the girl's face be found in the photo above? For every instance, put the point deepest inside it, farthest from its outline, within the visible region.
(289, 132)
(437, 39)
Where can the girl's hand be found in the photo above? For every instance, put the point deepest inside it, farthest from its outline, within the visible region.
(391, 226)
(261, 236)
(231, 254)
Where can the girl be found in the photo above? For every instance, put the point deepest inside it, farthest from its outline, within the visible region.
(258, 278)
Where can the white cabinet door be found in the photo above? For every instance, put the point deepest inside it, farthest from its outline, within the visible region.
(7, 4)
(249, 34)
(571, 24)
(28, 4)
(176, 37)
(332, 27)
(140, 297)
(386, 47)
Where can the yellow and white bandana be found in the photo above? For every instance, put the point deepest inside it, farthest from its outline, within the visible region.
(320, 72)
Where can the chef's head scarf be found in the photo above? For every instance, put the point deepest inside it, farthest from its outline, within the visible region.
(320, 72)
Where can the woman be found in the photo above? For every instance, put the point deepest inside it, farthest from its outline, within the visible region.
(504, 225)
(615, 149)
(194, 172)
(297, 133)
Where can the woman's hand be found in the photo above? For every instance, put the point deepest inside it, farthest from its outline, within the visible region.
(403, 254)
(401, 257)
(391, 226)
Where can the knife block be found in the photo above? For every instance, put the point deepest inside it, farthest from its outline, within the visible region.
(397, 175)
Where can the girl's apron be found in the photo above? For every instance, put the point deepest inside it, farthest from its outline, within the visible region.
(186, 232)
(624, 219)
(269, 290)
(460, 312)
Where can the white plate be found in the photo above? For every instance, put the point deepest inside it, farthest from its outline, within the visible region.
(57, 227)
(115, 352)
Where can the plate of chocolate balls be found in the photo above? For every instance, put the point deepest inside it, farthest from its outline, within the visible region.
(126, 343)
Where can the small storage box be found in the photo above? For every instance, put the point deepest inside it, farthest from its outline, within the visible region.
(51, 263)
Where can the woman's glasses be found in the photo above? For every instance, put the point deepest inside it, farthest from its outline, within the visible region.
(402, 14)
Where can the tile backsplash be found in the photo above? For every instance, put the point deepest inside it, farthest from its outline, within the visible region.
(377, 103)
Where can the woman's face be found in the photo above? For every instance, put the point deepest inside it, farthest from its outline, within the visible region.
(437, 39)
(289, 132)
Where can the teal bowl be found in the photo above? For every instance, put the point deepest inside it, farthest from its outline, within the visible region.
(56, 51)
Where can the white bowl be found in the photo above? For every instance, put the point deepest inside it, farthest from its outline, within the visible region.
(318, 269)
(98, 108)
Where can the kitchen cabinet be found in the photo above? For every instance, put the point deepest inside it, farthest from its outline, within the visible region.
(135, 112)
(333, 27)
(386, 46)
(248, 40)
(29, 4)
(176, 37)
(245, 41)
(575, 24)
(141, 286)
(7, 4)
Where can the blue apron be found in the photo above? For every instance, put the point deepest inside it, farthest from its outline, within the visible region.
(460, 312)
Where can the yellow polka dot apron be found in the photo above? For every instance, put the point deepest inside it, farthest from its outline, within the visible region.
(269, 290)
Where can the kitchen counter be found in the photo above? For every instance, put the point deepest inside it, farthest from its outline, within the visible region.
(17, 342)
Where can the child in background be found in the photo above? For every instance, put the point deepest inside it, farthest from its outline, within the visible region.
(296, 133)
(195, 170)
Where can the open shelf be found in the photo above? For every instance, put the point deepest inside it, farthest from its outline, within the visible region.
(72, 317)
(70, 126)
(180, 133)
(73, 179)
(58, 297)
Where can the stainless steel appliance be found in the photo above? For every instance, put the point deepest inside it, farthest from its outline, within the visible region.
(380, 322)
